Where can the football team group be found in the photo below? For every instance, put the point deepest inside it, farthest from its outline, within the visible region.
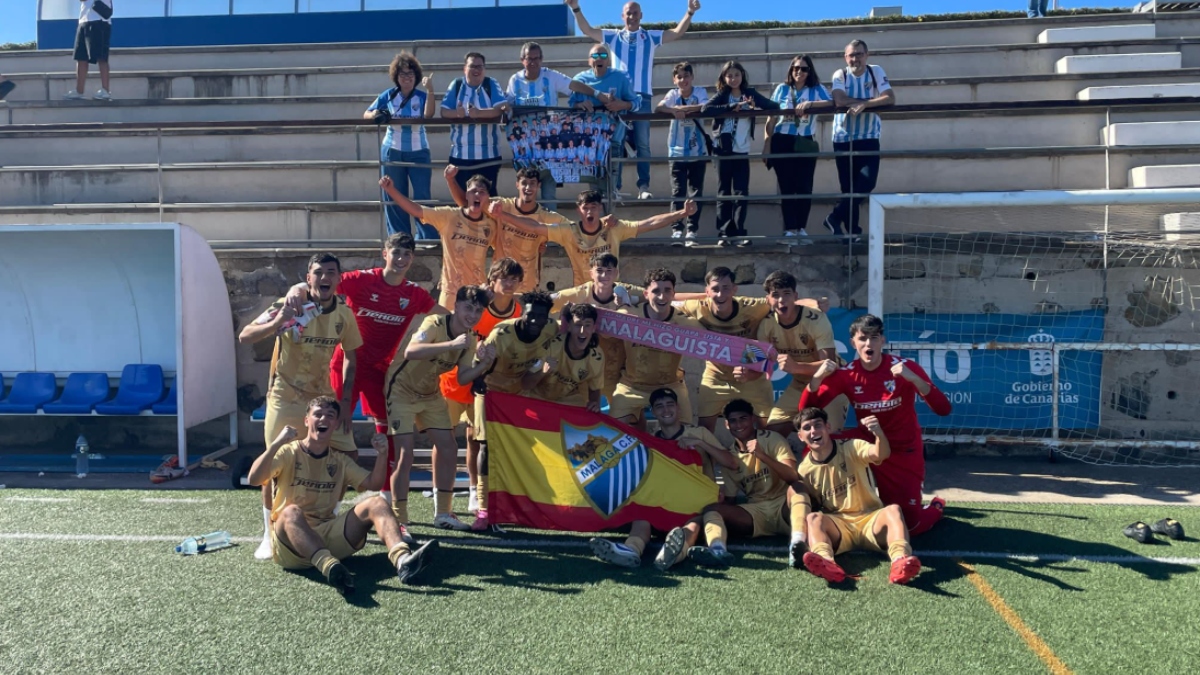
(416, 365)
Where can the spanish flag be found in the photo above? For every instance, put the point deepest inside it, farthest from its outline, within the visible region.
(557, 467)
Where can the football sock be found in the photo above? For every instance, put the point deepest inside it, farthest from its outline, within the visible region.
(824, 550)
(445, 501)
(636, 544)
(799, 508)
(386, 495)
(898, 550)
(323, 560)
(481, 492)
(396, 552)
(714, 528)
(266, 522)
(400, 510)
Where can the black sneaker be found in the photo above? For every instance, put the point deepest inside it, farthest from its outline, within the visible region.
(856, 233)
(1139, 532)
(796, 554)
(723, 242)
(833, 227)
(1168, 527)
(340, 578)
(412, 564)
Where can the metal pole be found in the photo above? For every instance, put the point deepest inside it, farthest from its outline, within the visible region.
(875, 256)
(1054, 425)
(160, 175)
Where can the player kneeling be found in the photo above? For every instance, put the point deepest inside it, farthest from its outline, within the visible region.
(850, 515)
(308, 480)
(765, 469)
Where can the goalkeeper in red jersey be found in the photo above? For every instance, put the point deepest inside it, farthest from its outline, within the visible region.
(886, 386)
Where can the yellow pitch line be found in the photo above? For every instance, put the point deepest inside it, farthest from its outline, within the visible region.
(1035, 643)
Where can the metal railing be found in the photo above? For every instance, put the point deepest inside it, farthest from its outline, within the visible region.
(51, 10)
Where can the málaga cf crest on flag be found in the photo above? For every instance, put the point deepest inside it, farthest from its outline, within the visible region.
(561, 467)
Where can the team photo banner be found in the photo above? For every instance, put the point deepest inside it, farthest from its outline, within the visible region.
(558, 467)
(572, 145)
(727, 350)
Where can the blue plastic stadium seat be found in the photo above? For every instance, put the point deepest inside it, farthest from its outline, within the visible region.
(169, 405)
(80, 394)
(141, 387)
(29, 392)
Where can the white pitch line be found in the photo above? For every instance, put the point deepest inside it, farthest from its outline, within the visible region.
(39, 499)
(174, 500)
(535, 544)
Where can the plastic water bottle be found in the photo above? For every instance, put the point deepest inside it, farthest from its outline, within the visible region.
(205, 543)
(81, 456)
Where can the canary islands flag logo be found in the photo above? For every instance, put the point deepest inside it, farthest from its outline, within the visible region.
(609, 465)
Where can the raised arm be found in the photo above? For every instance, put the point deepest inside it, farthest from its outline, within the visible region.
(584, 27)
(379, 473)
(430, 99)
(662, 220)
(410, 207)
(260, 470)
(815, 394)
(933, 396)
(456, 192)
(423, 351)
(684, 23)
(882, 449)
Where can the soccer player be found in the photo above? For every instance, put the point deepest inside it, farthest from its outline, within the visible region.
(594, 234)
(414, 401)
(467, 233)
(572, 372)
(605, 292)
(646, 368)
(503, 278)
(478, 101)
(304, 347)
(518, 344)
(848, 514)
(723, 311)
(765, 469)
(886, 387)
(633, 50)
(385, 305)
(664, 403)
(524, 246)
(803, 338)
(308, 481)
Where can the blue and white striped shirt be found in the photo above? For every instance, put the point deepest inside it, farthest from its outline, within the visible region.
(634, 54)
(865, 125)
(683, 139)
(472, 140)
(407, 137)
(788, 98)
(543, 91)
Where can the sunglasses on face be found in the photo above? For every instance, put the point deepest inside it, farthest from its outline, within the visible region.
(803, 69)
(600, 55)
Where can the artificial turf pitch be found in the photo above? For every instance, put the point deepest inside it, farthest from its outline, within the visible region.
(89, 582)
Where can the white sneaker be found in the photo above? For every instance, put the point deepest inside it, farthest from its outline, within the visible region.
(449, 521)
(801, 237)
(612, 552)
(264, 550)
(102, 95)
(689, 239)
(73, 96)
(645, 194)
(677, 238)
(472, 499)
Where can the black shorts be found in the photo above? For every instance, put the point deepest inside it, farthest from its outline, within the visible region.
(91, 41)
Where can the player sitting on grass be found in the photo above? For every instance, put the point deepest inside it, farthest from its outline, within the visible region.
(849, 515)
(664, 403)
(886, 386)
(308, 480)
(765, 469)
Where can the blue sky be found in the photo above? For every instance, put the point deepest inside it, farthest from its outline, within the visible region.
(19, 23)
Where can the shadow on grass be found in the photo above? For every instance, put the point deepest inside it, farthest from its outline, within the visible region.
(1055, 555)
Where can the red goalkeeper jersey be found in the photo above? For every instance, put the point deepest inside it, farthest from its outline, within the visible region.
(889, 398)
(383, 313)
